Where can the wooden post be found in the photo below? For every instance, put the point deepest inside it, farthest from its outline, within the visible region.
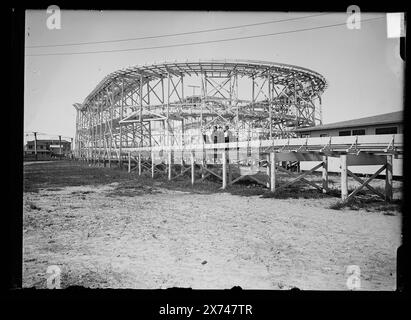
(71, 148)
(152, 164)
(192, 168)
(182, 145)
(169, 164)
(139, 163)
(268, 169)
(272, 172)
(325, 174)
(129, 162)
(224, 174)
(230, 177)
(344, 180)
(60, 147)
(388, 178)
(35, 144)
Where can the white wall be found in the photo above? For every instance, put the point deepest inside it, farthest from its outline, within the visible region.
(370, 130)
(334, 166)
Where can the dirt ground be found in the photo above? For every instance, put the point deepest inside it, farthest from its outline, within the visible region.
(106, 228)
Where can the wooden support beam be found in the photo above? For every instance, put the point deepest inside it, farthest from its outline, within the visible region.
(268, 168)
(300, 177)
(205, 176)
(224, 173)
(388, 179)
(366, 182)
(325, 174)
(213, 173)
(257, 180)
(139, 164)
(344, 180)
(236, 179)
(179, 174)
(152, 164)
(192, 167)
(358, 179)
(272, 172)
(169, 164)
(129, 162)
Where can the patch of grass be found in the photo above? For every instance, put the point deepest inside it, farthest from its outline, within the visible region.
(59, 174)
(131, 188)
(297, 193)
(338, 205)
(82, 192)
(370, 204)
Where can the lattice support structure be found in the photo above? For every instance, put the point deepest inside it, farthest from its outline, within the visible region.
(146, 106)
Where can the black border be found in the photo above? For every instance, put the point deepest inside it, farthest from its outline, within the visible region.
(150, 300)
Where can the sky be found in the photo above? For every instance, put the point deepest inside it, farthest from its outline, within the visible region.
(363, 67)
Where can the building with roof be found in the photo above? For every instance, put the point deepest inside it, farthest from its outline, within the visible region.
(387, 123)
(47, 148)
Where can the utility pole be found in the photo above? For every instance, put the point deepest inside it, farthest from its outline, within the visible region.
(35, 144)
(60, 146)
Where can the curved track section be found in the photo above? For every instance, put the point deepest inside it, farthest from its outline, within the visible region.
(157, 105)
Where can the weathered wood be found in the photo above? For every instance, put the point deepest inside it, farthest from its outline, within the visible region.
(224, 173)
(358, 179)
(300, 177)
(212, 172)
(179, 174)
(237, 179)
(169, 164)
(366, 182)
(139, 164)
(152, 165)
(344, 180)
(257, 180)
(192, 167)
(325, 174)
(272, 172)
(388, 179)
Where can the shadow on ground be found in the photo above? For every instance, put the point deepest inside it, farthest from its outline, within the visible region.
(56, 175)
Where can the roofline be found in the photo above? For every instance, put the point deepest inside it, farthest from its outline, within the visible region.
(335, 125)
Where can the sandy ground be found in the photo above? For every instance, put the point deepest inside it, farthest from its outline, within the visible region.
(154, 237)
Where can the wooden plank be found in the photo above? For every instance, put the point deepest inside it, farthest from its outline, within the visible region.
(212, 172)
(300, 177)
(236, 179)
(358, 179)
(344, 180)
(224, 173)
(139, 163)
(388, 178)
(179, 174)
(257, 180)
(192, 167)
(366, 182)
(325, 174)
(272, 171)
(204, 176)
(152, 165)
(169, 164)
